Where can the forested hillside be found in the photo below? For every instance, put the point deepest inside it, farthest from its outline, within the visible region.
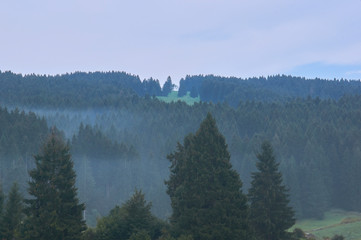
(120, 139)
(273, 88)
(76, 90)
(21, 135)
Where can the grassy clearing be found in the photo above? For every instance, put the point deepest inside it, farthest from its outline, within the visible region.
(173, 97)
(338, 222)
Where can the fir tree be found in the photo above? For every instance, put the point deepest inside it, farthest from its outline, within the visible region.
(270, 214)
(205, 191)
(53, 210)
(138, 216)
(12, 214)
(126, 221)
(167, 87)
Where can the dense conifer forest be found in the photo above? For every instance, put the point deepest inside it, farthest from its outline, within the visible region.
(119, 135)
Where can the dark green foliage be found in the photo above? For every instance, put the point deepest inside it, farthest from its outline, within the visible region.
(316, 139)
(79, 89)
(53, 210)
(205, 191)
(273, 88)
(167, 87)
(190, 84)
(89, 234)
(140, 235)
(133, 219)
(152, 87)
(270, 214)
(13, 214)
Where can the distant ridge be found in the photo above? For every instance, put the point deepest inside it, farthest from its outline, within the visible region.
(98, 89)
(232, 90)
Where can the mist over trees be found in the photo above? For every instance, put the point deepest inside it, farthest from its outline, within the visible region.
(21, 135)
(119, 134)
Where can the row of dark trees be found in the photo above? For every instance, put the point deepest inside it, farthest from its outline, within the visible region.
(232, 90)
(207, 198)
(100, 89)
(206, 195)
(79, 89)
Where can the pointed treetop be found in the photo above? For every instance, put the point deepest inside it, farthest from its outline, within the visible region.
(209, 123)
(267, 158)
(205, 191)
(270, 214)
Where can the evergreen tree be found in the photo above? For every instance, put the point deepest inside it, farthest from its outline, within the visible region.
(270, 214)
(126, 221)
(205, 191)
(167, 87)
(12, 214)
(138, 216)
(53, 210)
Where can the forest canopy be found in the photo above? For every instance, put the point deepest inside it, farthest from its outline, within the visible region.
(120, 135)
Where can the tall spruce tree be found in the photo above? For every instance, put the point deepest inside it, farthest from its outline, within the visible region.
(53, 210)
(270, 214)
(10, 221)
(205, 191)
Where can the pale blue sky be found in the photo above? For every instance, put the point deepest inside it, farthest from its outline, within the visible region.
(158, 38)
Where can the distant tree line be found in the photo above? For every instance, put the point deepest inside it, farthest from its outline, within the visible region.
(79, 89)
(114, 89)
(232, 90)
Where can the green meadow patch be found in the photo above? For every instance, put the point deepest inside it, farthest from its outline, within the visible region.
(347, 224)
(173, 97)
